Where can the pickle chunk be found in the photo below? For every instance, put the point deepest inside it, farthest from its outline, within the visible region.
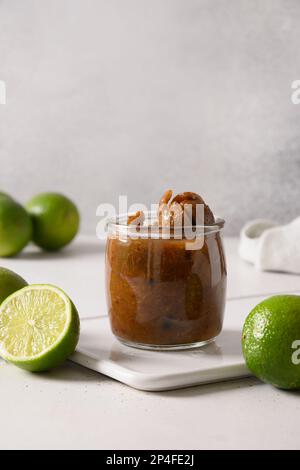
(171, 211)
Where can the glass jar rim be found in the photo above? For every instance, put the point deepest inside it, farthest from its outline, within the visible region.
(119, 224)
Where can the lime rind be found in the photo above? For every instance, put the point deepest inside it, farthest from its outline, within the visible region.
(10, 282)
(269, 332)
(55, 219)
(15, 227)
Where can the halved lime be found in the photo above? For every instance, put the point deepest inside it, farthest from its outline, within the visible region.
(39, 328)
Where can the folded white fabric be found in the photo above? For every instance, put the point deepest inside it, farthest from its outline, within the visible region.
(270, 246)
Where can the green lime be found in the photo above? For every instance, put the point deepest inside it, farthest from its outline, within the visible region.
(55, 220)
(15, 227)
(39, 328)
(10, 282)
(5, 195)
(271, 341)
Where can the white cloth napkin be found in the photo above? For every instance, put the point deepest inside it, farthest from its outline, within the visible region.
(270, 246)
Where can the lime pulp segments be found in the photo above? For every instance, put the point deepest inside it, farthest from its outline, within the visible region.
(39, 328)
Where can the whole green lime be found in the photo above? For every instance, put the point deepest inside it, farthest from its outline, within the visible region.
(271, 341)
(10, 282)
(15, 227)
(55, 220)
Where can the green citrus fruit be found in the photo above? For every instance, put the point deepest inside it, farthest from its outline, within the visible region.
(39, 328)
(5, 195)
(10, 282)
(15, 227)
(55, 220)
(271, 341)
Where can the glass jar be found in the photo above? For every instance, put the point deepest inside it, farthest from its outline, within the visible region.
(162, 292)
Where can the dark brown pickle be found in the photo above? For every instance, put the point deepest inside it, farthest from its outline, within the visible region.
(161, 294)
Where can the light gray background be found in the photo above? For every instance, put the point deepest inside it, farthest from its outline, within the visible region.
(109, 97)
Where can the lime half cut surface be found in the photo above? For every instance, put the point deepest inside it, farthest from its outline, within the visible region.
(39, 328)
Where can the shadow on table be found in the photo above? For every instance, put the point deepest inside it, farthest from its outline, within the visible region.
(70, 372)
(212, 388)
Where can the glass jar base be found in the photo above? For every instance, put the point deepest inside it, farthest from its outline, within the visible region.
(166, 347)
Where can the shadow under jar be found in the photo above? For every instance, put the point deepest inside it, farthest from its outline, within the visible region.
(165, 293)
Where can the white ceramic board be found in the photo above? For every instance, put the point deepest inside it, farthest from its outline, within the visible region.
(152, 370)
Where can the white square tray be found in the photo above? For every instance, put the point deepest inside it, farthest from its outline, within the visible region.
(153, 370)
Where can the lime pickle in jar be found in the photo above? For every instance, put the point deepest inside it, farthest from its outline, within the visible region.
(165, 291)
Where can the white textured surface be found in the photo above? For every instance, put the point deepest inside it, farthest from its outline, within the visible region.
(73, 407)
(78, 269)
(132, 97)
